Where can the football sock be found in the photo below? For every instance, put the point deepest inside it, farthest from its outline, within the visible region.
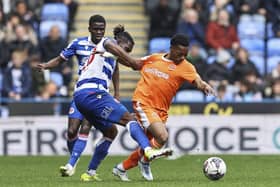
(137, 133)
(136, 155)
(132, 160)
(101, 150)
(70, 144)
(78, 148)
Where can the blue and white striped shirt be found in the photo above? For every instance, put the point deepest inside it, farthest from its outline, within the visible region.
(81, 48)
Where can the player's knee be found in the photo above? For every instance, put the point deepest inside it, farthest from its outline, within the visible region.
(162, 138)
(127, 117)
(72, 133)
(85, 129)
(111, 133)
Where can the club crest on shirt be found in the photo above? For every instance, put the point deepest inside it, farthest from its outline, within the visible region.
(172, 67)
(71, 110)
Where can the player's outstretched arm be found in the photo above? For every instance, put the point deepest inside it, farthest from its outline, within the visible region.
(50, 64)
(203, 86)
(123, 57)
(116, 82)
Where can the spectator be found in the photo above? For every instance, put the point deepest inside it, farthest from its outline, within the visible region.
(275, 73)
(22, 41)
(4, 55)
(200, 6)
(13, 21)
(273, 15)
(49, 91)
(26, 15)
(35, 6)
(250, 7)
(190, 25)
(17, 80)
(150, 5)
(218, 73)
(223, 95)
(197, 59)
(163, 20)
(221, 34)
(38, 77)
(4, 51)
(72, 7)
(51, 47)
(243, 65)
(247, 92)
(218, 5)
(2, 24)
(276, 89)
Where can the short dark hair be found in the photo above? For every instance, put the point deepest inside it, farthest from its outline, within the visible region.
(180, 39)
(96, 18)
(121, 33)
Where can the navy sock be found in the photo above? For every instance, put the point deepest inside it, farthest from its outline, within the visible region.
(70, 145)
(78, 148)
(137, 133)
(101, 150)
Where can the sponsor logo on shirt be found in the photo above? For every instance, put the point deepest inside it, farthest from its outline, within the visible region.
(157, 73)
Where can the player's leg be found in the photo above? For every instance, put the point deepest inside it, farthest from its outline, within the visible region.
(75, 119)
(80, 143)
(146, 116)
(101, 150)
(102, 105)
(78, 148)
(134, 159)
(72, 132)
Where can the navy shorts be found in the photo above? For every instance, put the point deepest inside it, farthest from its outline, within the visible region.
(99, 107)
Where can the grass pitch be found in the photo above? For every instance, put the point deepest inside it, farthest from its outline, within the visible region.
(242, 171)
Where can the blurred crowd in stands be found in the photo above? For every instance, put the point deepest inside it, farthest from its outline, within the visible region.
(234, 44)
(31, 32)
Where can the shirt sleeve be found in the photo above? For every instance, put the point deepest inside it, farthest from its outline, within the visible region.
(69, 51)
(189, 73)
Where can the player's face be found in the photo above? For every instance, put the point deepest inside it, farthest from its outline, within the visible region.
(97, 31)
(178, 53)
(126, 45)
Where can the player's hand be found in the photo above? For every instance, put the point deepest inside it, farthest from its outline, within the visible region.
(208, 90)
(117, 97)
(41, 67)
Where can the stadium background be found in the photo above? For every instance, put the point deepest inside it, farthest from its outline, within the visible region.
(243, 119)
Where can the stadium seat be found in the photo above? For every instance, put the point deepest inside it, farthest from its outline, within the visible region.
(251, 26)
(259, 62)
(211, 59)
(251, 30)
(158, 45)
(1, 82)
(269, 31)
(257, 18)
(56, 78)
(231, 63)
(254, 46)
(45, 27)
(272, 63)
(273, 47)
(245, 18)
(189, 96)
(55, 11)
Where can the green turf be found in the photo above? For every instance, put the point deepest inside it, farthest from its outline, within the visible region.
(243, 171)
